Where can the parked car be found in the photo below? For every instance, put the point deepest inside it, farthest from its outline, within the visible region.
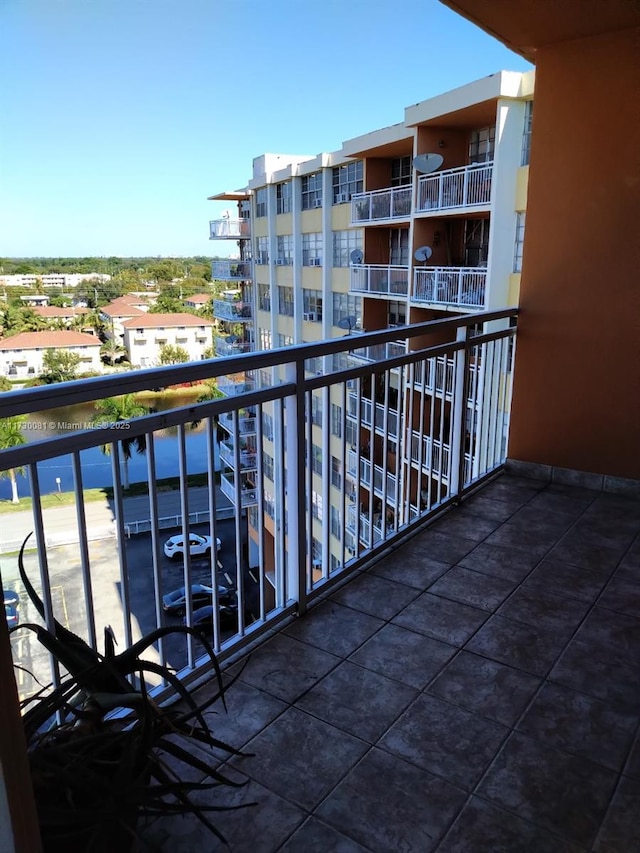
(11, 615)
(203, 617)
(10, 597)
(176, 602)
(199, 546)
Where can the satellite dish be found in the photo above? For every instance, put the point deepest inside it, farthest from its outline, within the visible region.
(347, 323)
(426, 163)
(423, 253)
(356, 256)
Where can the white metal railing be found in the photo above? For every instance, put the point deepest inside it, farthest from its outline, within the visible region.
(379, 279)
(461, 287)
(231, 270)
(225, 347)
(235, 312)
(229, 229)
(248, 458)
(231, 386)
(465, 186)
(380, 352)
(391, 203)
(274, 565)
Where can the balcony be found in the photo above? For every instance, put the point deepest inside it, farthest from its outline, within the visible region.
(232, 311)
(246, 422)
(227, 346)
(229, 229)
(380, 352)
(456, 190)
(248, 458)
(385, 483)
(381, 206)
(386, 418)
(379, 280)
(234, 385)
(454, 287)
(231, 270)
(465, 645)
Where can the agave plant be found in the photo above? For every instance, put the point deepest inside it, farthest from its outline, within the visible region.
(95, 771)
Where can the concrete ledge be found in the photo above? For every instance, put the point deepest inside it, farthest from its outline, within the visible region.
(568, 477)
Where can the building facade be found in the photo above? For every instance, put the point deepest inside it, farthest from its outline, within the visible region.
(22, 355)
(145, 335)
(408, 223)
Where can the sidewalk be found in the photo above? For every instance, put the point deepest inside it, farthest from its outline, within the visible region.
(61, 525)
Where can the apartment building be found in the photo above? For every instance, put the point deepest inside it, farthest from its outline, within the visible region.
(22, 355)
(145, 335)
(416, 221)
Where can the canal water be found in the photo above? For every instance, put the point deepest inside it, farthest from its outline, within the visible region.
(96, 466)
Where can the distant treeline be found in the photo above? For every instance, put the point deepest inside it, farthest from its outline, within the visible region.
(110, 266)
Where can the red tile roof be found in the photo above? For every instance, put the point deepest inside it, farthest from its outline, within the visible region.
(121, 308)
(48, 340)
(200, 297)
(165, 321)
(53, 311)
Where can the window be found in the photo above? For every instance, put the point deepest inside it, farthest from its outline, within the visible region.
(346, 180)
(336, 420)
(312, 191)
(312, 305)
(261, 202)
(267, 466)
(336, 472)
(262, 250)
(267, 425)
(517, 255)
(526, 136)
(336, 526)
(284, 249)
(481, 145)
(264, 337)
(399, 247)
(283, 197)
(397, 315)
(316, 459)
(312, 249)
(285, 341)
(316, 505)
(316, 552)
(344, 242)
(264, 297)
(316, 410)
(347, 307)
(401, 171)
(269, 504)
(335, 563)
(351, 433)
(314, 366)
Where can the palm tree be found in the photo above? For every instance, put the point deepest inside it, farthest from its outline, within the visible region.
(114, 410)
(11, 435)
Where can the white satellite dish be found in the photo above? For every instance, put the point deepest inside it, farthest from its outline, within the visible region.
(347, 323)
(426, 163)
(356, 256)
(423, 253)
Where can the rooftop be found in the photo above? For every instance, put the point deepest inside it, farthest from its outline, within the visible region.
(477, 689)
(154, 321)
(48, 339)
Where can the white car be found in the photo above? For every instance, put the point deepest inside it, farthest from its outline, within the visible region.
(199, 546)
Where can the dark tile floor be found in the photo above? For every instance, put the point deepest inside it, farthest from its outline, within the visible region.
(478, 691)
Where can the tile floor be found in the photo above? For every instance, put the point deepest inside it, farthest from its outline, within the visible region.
(478, 691)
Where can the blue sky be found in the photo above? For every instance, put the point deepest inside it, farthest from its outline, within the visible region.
(119, 117)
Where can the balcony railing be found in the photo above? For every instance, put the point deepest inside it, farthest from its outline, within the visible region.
(379, 280)
(229, 229)
(386, 419)
(436, 375)
(459, 287)
(465, 186)
(234, 312)
(232, 386)
(231, 270)
(392, 203)
(272, 566)
(248, 459)
(380, 351)
(225, 347)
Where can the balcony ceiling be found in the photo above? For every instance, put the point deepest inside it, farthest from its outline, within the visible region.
(476, 115)
(525, 26)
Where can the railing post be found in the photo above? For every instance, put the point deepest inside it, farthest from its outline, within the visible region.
(459, 413)
(294, 472)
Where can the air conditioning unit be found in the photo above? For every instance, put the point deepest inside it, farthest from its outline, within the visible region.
(341, 198)
(311, 316)
(315, 262)
(317, 202)
(281, 262)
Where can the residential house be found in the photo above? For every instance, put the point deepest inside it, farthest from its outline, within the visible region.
(117, 312)
(145, 335)
(198, 300)
(22, 355)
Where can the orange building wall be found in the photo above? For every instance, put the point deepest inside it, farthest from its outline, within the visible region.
(576, 397)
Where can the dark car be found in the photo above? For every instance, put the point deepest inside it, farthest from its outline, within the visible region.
(176, 602)
(11, 615)
(203, 617)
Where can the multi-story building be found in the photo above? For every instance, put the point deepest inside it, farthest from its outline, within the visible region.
(22, 355)
(403, 224)
(145, 335)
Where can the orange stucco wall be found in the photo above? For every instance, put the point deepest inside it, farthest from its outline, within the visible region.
(576, 397)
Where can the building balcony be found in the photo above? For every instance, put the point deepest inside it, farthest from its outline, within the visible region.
(453, 287)
(455, 190)
(248, 458)
(230, 229)
(383, 483)
(381, 206)
(232, 311)
(231, 346)
(379, 280)
(474, 640)
(379, 352)
(235, 385)
(231, 270)
(246, 422)
(387, 420)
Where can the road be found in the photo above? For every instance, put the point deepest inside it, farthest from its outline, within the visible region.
(69, 600)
